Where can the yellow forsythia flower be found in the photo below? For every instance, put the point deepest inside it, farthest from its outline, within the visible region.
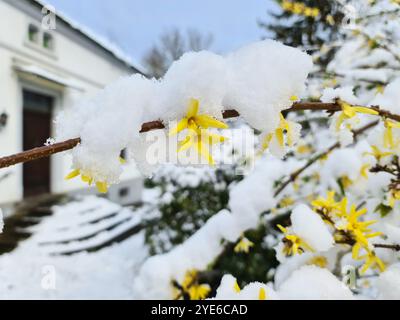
(101, 186)
(197, 124)
(293, 244)
(243, 245)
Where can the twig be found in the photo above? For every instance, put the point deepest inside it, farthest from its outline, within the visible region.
(351, 242)
(395, 247)
(314, 159)
(38, 153)
(46, 151)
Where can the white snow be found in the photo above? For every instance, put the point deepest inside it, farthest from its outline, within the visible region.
(198, 75)
(313, 283)
(343, 93)
(205, 245)
(310, 227)
(388, 283)
(390, 99)
(32, 271)
(227, 290)
(111, 121)
(265, 76)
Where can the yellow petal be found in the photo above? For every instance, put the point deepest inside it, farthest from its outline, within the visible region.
(182, 125)
(392, 201)
(186, 144)
(284, 230)
(307, 246)
(366, 266)
(283, 123)
(365, 110)
(356, 251)
(87, 179)
(102, 187)
(279, 137)
(236, 287)
(348, 110)
(73, 174)
(212, 138)
(206, 121)
(373, 235)
(193, 108)
(392, 124)
(204, 152)
(122, 160)
(381, 265)
(388, 138)
(340, 120)
(262, 295)
(289, 135)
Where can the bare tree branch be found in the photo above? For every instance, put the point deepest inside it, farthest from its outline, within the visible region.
(171, 46)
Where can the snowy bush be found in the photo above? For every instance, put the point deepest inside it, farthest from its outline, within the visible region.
(194, 92)
(187, 198)
(325, 199)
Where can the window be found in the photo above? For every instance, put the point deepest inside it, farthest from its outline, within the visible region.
(33, 33)
(123, 192)
(40, 38)
(48, 41)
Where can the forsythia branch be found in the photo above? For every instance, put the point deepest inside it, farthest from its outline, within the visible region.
(46, 151)
(314, 159)
(395, 247)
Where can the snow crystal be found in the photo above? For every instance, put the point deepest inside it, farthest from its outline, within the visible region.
(388, 283)
(290, 264)
(252, 292)
(255, 194)
(346, 137)
(390, 99)
(265, 77)
(313, 283)
(310, 227)
(228, 290)
(344, 93)
(341, 163)
(198, 75)
(106, 125)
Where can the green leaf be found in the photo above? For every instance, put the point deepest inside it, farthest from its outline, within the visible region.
(384, 210)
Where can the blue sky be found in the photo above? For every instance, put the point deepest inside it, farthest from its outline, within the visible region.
(135, 25)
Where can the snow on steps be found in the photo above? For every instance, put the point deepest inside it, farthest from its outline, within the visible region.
(88, 224)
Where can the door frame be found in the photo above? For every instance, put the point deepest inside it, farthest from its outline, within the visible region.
(57, 104)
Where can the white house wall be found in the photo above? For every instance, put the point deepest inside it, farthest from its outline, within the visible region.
(74, 58)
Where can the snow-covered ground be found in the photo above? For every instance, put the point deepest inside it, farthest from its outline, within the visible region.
(35, 271)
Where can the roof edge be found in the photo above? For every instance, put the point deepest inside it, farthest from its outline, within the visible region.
(100, 42)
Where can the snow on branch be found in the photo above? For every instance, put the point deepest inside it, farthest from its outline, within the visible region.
(48, 150)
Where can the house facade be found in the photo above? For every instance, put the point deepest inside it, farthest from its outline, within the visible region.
(43, 71)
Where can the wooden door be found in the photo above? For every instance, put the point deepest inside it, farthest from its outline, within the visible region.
(36, 130)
